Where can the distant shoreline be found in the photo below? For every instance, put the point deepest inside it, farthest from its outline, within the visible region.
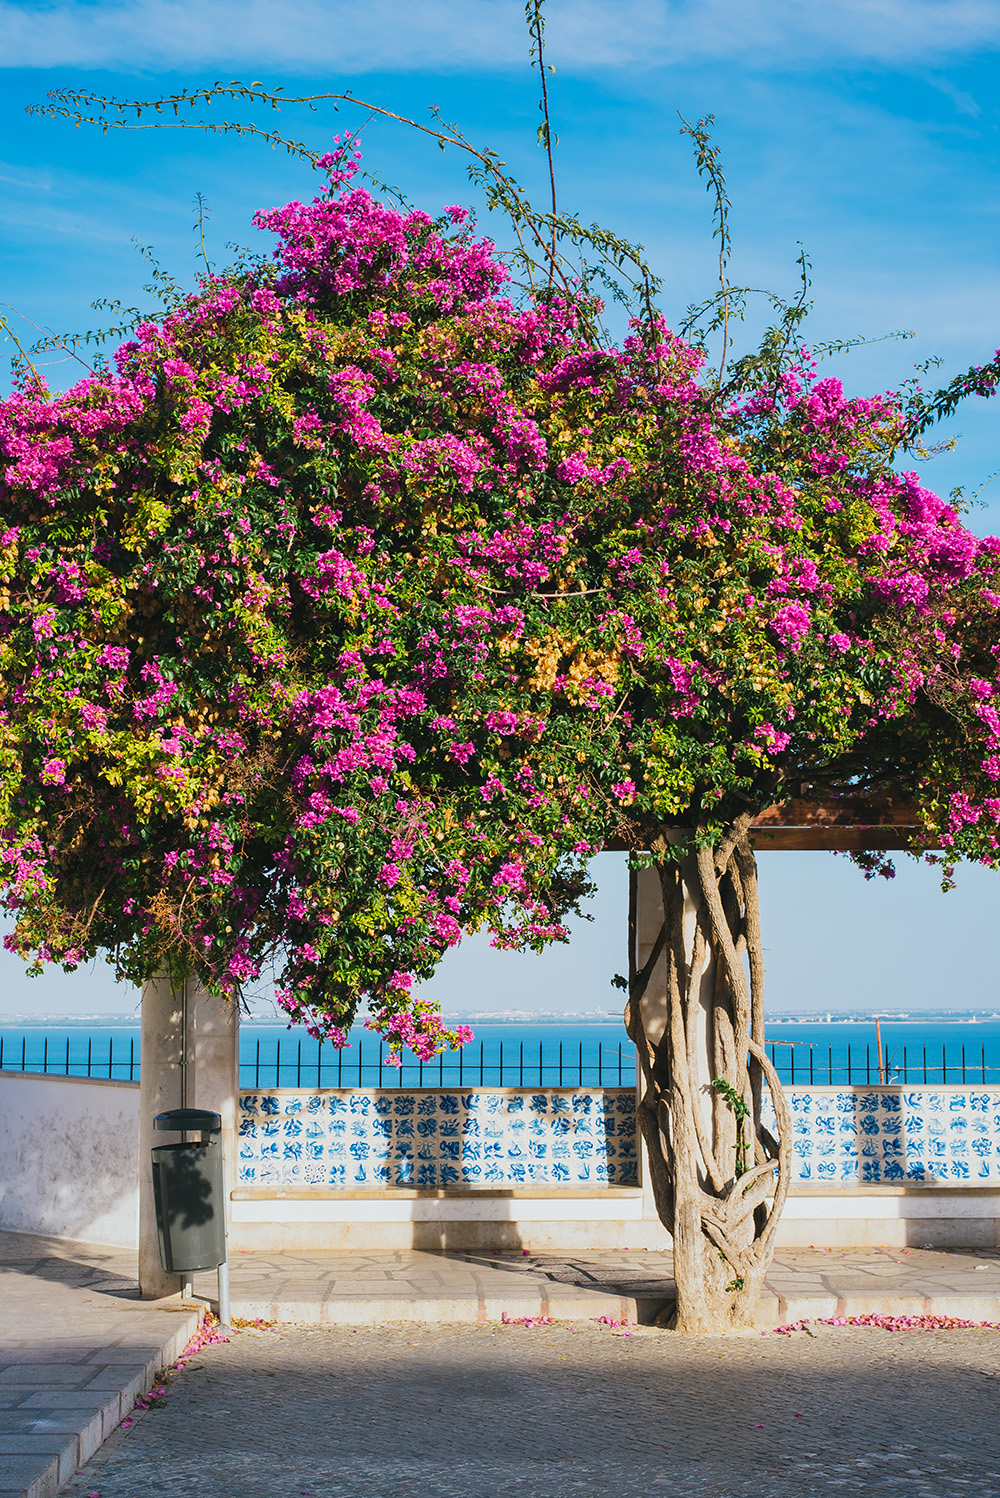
(514, 1019)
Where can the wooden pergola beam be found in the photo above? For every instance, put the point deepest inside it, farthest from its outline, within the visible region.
(835, 839)
(844, 811)
(855, 824)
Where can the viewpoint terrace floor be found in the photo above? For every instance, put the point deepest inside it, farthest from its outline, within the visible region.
(77, 1345)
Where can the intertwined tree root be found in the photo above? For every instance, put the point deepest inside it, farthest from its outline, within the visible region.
(696, 1015)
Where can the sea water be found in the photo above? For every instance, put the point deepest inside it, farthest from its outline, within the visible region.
(519, 1054)
(913, 1050)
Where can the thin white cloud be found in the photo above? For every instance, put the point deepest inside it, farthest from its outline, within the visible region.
(783, 32)
(22, 177)
(34, 222)
(964, 102)
(310, 33)
(423, 35)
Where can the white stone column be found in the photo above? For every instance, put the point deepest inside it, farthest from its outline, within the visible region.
(654, 1002)
(214, 1070)
(160, 1087)
(190, 1059)
(648, 920)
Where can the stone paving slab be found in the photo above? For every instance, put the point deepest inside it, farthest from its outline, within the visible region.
(330, 1289)
(77, 1348)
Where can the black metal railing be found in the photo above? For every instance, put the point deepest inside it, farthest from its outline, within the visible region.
(511, 1064)
(902, 1065)
(52, 1059)
(310, 1063)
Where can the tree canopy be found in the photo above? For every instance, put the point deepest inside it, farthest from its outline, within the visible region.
(362, 599)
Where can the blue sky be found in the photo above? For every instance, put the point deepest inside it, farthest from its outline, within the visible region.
(865, 129)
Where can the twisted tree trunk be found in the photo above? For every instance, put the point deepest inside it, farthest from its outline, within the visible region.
(696, 1015)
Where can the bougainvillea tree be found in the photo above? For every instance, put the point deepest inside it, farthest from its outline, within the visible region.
(359, 603)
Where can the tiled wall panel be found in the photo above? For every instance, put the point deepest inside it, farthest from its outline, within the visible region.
(501, 1137)
(485, 1137)
(943, 1136)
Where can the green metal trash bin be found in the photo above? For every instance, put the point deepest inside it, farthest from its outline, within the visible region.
(189, 1193)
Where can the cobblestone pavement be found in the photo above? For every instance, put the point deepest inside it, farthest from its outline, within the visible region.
(486, 1411)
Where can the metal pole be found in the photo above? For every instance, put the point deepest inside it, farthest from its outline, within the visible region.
(184, 1048)
(187, 1284)
(225, 1319)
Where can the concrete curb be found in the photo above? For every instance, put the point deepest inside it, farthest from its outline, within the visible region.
(782, 1309)
(346, 1310)
(572, 1302)
(82, 1444)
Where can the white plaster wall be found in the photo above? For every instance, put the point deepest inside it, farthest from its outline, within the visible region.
(563, 1222)
(69, 1153)
(891, 1217)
